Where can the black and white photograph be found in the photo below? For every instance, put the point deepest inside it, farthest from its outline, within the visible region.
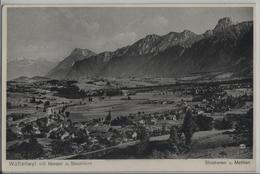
(139, 83)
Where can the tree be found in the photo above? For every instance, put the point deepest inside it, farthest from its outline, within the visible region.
(188, 126)
(143, 136)
(108, 118)
(174, 140)
(32, 100)
(244, 129)
(67, 114)
(46, 105)
(164, 129)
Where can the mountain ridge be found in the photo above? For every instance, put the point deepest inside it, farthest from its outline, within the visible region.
(173, 53)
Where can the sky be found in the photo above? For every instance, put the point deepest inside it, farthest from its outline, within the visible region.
(51, 33)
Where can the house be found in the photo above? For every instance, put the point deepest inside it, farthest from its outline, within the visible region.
(134, 135)
(66, 135)
(141, 121)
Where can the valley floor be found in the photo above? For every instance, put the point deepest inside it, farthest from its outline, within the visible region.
(59, 120)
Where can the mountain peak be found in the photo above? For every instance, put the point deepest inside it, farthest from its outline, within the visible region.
(151, 37)
(223, 23)
(82, 52)
(64, 66)
(186, 32)
(171, 34)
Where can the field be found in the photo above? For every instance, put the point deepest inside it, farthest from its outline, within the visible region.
(148, 102)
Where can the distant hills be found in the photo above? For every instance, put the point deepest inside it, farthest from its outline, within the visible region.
(28, 67)
(226, 48)
(30, 79)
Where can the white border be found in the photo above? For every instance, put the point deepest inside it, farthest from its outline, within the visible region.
(134, 165)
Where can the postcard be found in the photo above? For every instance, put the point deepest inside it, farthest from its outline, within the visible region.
(128, 88)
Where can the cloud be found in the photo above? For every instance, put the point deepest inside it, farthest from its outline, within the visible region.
(153, 24)
(41, 50)
(132, 33)
(123, 39)
(83, 25)
(156, 22)
(111, 43)
(117, 41)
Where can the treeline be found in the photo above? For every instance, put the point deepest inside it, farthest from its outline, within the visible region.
(72, 91)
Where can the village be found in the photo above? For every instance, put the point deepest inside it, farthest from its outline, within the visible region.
(48, 128)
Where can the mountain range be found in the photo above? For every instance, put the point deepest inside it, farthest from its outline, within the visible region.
(226, 48)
